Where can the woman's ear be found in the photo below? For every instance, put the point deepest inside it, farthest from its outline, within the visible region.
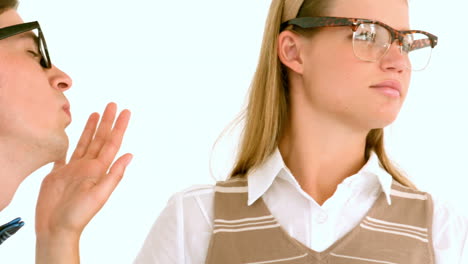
(289, 47)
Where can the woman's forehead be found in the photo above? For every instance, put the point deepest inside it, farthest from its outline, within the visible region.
(392, 12)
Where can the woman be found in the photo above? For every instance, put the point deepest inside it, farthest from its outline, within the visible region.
(312, 182)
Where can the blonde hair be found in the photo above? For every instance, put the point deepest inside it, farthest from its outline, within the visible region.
(267, 109)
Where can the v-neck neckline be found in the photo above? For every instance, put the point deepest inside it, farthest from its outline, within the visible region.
(381, 199)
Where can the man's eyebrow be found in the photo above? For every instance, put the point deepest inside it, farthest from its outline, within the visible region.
(29, 35)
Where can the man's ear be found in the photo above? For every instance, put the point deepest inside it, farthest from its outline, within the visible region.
(289, 48)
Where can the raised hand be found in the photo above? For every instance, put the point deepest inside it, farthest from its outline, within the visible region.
(74, 192)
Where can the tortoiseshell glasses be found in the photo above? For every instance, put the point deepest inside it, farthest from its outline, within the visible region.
(372, 39)
(35, 28)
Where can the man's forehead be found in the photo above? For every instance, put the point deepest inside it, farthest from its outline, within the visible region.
(27, 36)
(9, 18)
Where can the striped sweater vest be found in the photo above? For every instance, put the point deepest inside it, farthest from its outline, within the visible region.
(397, 233)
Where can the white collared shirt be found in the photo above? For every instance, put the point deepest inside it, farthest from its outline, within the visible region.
(182, 232)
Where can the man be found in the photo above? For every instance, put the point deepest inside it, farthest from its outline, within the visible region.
(33, 115)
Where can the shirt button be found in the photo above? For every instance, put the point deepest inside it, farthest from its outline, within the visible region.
(321, 218)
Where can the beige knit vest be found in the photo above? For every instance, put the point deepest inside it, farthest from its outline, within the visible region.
(389, 234)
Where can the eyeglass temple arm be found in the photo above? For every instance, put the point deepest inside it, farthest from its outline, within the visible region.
(421, 43)
(17, 29)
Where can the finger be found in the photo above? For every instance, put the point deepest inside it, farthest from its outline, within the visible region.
(59, 163)
(103, 130)
(86, 136)
(110, 181)
(112, 145)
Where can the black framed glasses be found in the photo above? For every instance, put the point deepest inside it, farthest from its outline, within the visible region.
(40, 40)
(372, 39)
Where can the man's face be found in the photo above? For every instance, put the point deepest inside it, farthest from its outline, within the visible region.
(33, 109)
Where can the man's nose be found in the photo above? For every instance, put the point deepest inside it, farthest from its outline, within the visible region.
(59, 79)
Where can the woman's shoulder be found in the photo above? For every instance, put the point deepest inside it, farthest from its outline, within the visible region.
(190, 206)
(198, 200)
(183, 228)
(205, 192)
(450, 226)
(200, 195)
(448, 211)
(198, 190)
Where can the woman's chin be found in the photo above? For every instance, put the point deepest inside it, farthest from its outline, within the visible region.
(383, 122)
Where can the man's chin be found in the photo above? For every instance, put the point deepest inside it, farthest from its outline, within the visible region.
(6, 196)
(4, 204)
(57, 148)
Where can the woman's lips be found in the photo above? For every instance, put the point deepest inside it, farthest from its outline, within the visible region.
(391, 88)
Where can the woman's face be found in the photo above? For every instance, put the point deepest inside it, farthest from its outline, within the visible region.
(342, 86)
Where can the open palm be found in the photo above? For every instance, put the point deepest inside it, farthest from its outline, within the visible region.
(74, 192)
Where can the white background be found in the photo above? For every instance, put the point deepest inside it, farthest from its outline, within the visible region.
(183, 68)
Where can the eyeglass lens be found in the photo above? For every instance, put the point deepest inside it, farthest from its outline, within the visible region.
(45, 61)
(372, 41)
(42, 48)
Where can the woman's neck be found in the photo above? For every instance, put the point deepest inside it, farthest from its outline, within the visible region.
(321, 154)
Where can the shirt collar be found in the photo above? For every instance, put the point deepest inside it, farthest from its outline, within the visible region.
(261, 178)
(10, 228)
(373, 167)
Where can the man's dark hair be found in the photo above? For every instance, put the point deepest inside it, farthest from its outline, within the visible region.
(8, 4)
